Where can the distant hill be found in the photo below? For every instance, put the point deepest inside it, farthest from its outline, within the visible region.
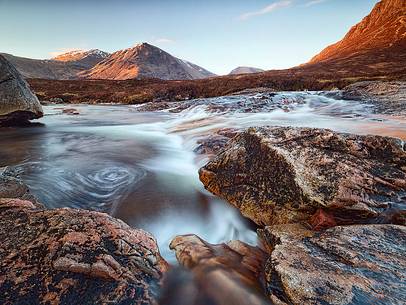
(245, 70)
(86, 58)
(375, 45)
(65, 66)
(141, 61)
(145, 61)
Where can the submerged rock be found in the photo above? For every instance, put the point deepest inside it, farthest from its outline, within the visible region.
(360, 264)
(225, 274)
(17, 103)
(67, 256)
(277, 175)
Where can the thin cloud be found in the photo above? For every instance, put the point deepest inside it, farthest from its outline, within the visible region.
(314, 2)
(266, 10)
(163, 40)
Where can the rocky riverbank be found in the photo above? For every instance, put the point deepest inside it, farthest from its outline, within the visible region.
(301, 185)
(68, 256)
(357, 264)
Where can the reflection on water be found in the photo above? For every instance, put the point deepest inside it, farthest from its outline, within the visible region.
(141, 168)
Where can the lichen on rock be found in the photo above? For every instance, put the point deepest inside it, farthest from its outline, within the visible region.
(67, 256)
(277, 175)
(359, 264)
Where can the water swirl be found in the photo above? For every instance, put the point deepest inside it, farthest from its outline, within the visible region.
(99, 187)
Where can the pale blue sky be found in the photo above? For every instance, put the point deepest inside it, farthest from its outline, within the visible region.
(218, 35)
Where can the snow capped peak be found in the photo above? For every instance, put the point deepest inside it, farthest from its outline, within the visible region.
(81, 54)
(73, 52)
(97, 52)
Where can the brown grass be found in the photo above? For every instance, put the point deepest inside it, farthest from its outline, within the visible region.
(321, 76)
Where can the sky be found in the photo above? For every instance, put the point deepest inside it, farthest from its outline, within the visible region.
(218, 35)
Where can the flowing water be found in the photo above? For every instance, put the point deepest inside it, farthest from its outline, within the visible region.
(140, 166)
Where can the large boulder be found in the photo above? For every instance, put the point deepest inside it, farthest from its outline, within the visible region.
(68, 256)
(359, 264)
(17, 103)
(277, 175)
(224, 274)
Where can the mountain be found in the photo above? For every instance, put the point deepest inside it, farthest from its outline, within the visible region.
(374, 49)
(65, 66)
(245, 70)
(145, 61)
(87, 58)
(377, 43)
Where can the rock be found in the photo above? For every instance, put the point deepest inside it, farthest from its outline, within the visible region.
(222, 274)
(56, 100)
(387, 97)
(17, 103)
(252, 102)
(70, 111)
(18, 203)
(359, 264)
(12, 187)
(322, 220)
(180, 288)
(66, 256)
(213, 143)
(277, 175)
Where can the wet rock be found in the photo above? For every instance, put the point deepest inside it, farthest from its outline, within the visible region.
(387, 97)
(359, 264)
(66, 256)
(214, 143)
(13, 187)
(180, 288)
(17, 103)
(251, 102)
(221, 274)
(322, 220)
(56, 100)
(211, 145)
(71, 111)
(277, 175)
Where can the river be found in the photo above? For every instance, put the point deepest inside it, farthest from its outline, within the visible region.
(140, 166)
